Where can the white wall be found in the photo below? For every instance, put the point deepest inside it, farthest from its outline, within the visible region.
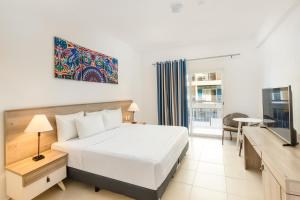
(280, 58)
(242, 86)
(27, 70)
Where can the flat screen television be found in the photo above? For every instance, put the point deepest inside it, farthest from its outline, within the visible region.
(278, 113)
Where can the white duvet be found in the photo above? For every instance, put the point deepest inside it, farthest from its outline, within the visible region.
(142, 155)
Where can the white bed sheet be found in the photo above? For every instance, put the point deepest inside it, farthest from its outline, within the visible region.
(142, 155)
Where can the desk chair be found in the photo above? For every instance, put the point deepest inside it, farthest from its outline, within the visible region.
(231, 126)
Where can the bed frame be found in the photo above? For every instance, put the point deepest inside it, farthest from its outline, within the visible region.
(20, 145)
(130, 190)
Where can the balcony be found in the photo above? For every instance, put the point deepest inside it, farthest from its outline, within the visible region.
(206, 83)
(206, 119)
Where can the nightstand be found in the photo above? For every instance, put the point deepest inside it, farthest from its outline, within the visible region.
(27, 179)
(130, 122)
(144, 123)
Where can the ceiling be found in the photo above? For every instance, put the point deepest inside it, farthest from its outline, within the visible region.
(147, 24)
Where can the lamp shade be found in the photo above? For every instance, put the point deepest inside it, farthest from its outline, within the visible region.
(133, 107)
(39, 123)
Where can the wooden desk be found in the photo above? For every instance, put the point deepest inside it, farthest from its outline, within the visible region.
(280, 165)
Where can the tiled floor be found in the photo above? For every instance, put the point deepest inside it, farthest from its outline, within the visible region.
(209, 171)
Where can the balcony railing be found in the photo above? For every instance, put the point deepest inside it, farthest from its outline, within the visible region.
(206, 116)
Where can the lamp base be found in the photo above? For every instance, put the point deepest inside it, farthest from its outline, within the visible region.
(39, 157)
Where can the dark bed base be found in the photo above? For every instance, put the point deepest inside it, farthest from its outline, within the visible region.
(130, 190)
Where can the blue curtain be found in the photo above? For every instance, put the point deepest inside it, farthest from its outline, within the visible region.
(172, 93)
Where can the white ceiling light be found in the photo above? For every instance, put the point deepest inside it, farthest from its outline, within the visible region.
(200, 2)
(177, 7)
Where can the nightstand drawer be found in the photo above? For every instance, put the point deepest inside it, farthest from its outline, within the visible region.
(45, 183)
(16, 190)
(41, 172)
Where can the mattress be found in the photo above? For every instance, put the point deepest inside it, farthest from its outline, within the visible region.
(142, 155)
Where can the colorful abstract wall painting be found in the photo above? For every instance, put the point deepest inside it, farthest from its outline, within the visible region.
(78, 63)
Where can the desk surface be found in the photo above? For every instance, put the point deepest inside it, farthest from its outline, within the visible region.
(283, 161)
(248, 120)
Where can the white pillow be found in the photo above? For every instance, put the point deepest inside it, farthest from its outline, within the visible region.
(66, 128)
(89, 125)
(112, 118)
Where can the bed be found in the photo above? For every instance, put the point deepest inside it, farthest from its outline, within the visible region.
(134, 160)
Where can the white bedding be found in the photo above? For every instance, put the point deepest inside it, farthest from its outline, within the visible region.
(142, 155)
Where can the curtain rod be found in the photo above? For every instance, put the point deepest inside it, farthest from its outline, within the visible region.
(211, 57)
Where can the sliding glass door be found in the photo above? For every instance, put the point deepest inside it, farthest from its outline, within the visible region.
(205, 103)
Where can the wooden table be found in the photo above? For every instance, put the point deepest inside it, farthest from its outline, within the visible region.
(248, 121)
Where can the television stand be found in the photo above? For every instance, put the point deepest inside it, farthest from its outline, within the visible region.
(279, 166)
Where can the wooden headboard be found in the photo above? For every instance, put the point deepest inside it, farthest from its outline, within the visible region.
(20, 145)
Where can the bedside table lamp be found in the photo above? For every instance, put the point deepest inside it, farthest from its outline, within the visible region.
(133, 108)
(38, 124)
